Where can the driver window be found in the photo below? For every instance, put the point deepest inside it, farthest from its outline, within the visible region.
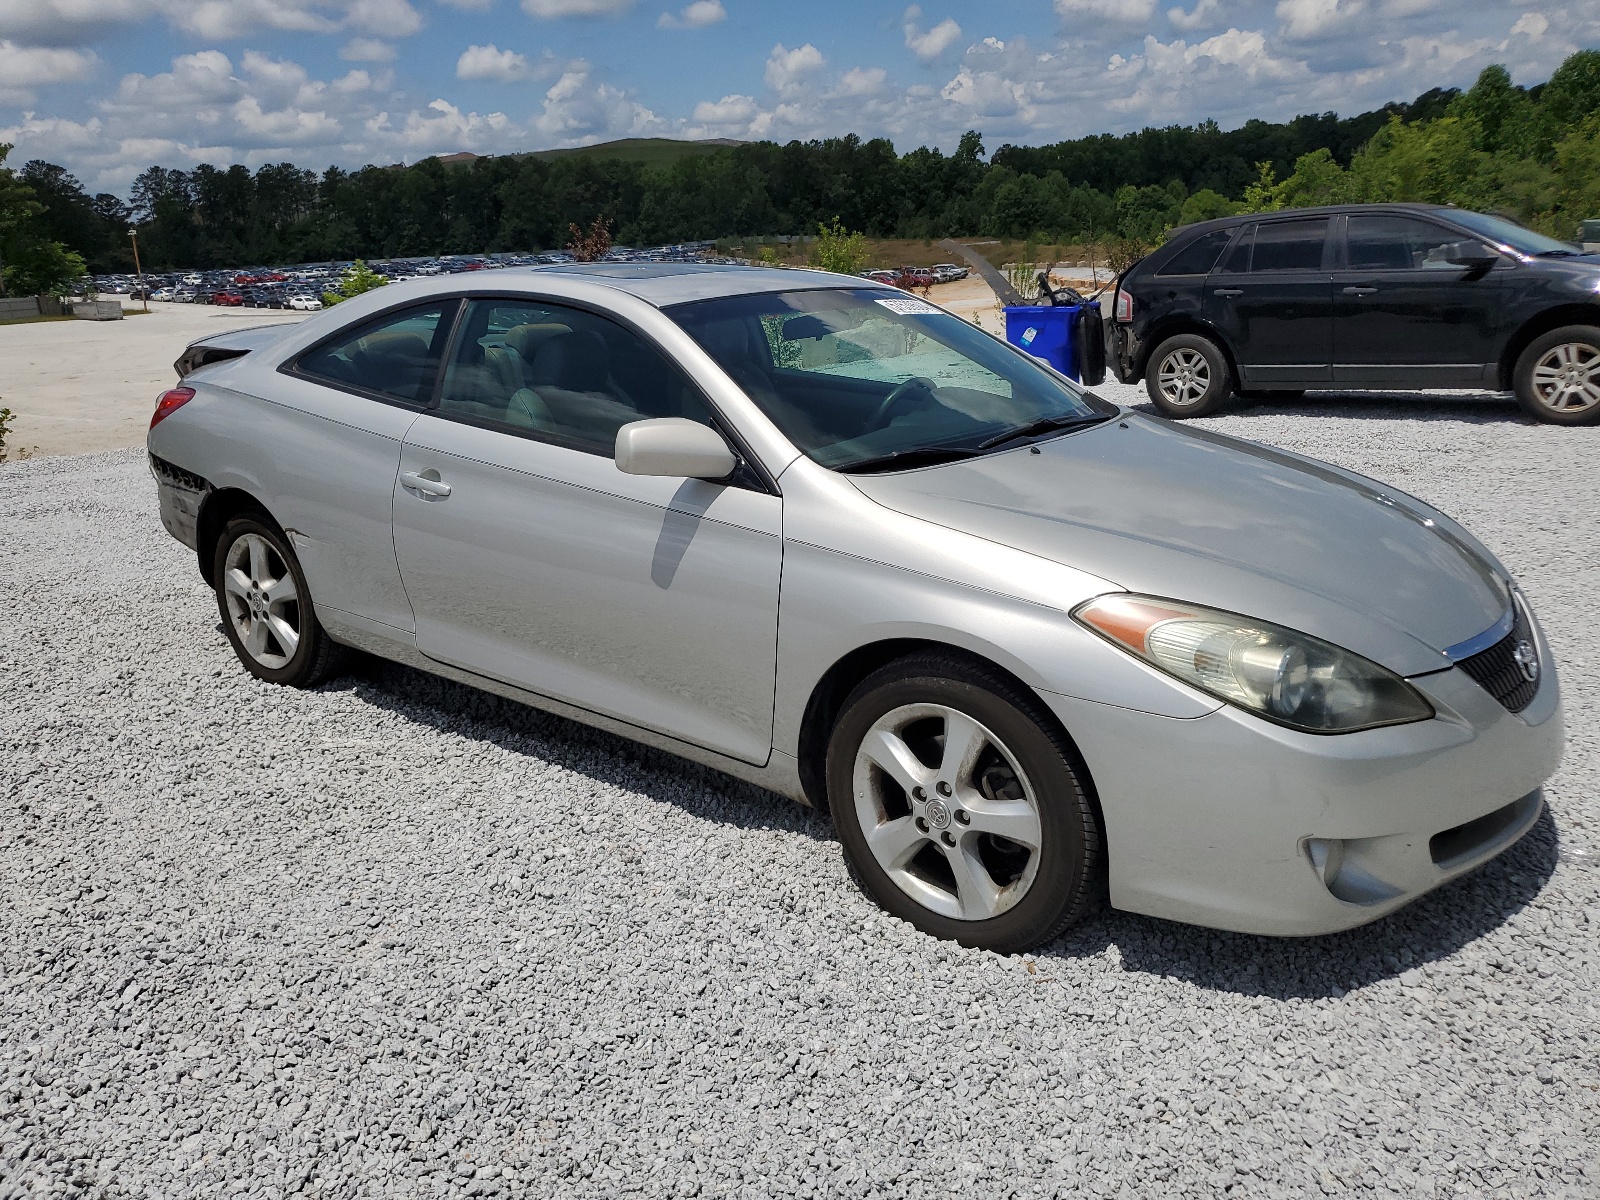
(559, 374)
(1394, 243)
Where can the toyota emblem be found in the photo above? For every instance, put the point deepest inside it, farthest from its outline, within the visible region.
(1527, 660)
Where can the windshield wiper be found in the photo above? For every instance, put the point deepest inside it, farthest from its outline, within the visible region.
(922, 456)
(1043, 425)
(1558, 254)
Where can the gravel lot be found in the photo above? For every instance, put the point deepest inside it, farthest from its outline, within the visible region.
(395, 937)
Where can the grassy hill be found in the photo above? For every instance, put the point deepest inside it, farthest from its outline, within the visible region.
(652, 152)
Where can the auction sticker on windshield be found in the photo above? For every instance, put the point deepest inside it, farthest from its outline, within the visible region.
(908, 306)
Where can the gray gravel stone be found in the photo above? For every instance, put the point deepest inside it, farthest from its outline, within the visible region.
(398, 938)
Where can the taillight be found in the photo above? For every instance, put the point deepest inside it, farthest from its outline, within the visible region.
(1124, 307)
(170, 402)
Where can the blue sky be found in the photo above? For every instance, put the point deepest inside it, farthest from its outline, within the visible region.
(108, 87)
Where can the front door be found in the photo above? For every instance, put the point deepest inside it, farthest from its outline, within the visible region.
(1272, 299)
(530, 558)
(1404, 315)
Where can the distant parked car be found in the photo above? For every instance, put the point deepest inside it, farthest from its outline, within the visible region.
(949, 272)
(1359, 297)
(227, 299)
(1027, 646)
(305, 303)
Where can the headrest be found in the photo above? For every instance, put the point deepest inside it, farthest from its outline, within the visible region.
(575, 360)
(526, 339)
(395, 343)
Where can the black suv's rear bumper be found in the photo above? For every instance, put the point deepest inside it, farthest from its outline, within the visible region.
(1122, 352)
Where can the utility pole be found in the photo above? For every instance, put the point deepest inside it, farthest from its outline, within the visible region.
(144, 292)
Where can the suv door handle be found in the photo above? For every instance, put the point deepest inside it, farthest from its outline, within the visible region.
(422, 483)
(1230, 291)
(1359, 291)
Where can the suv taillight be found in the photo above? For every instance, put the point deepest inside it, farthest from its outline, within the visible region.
(1124, 307)
(170, 402)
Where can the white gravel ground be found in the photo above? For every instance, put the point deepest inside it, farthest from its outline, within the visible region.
(396, 938)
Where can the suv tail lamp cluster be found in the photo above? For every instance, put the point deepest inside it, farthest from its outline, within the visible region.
(1124, 307)
(170, 402)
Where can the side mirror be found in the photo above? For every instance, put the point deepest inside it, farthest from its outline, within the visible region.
(675, 447)
(1472, 255)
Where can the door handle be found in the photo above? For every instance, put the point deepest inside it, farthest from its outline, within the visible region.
(421, 482)
(1359, 291)
(1230, 291)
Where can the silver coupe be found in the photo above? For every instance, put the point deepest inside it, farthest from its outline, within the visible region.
(1028, 648)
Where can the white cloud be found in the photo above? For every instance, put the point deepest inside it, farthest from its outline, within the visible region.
(1127, 12)
(367, 50)
(549, 10)
(787, 69)
(490, 62)
(697, 15)
(730, 110)
(1531, 25)
(1205, 12)
(23, 68)
(386, 18)
(66, 22)
(931, 43)
(861, 81)
(1306, 19)
(577, 109)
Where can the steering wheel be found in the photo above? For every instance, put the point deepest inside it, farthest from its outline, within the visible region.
(916, 383)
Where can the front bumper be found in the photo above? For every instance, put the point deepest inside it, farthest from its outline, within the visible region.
(1231, 822)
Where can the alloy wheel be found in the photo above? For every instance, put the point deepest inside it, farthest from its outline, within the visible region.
(263, 602)
(1566, 379)
(1184, 377)
(947, 812)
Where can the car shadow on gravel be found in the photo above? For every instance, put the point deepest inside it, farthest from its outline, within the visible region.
(447, 706)
(1432, 928)
(1472, 408)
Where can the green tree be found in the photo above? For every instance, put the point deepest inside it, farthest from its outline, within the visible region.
(837, 249)
(1574, 90)
(356, 279)
(1205, 205)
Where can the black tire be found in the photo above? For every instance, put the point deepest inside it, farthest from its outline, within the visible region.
(1564, 392)
(1188, 376)
(315, 657)
(1051, 887)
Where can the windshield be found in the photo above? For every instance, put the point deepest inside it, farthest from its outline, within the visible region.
(1509, 233)
(862, 377)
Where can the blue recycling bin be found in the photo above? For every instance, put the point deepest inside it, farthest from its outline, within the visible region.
(1048, 331)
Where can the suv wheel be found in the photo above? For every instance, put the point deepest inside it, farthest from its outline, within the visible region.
(1557, 378)
(959, 805)
(266, 607)
(1188, 376)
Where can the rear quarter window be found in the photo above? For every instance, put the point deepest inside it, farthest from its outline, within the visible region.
(1199, 256)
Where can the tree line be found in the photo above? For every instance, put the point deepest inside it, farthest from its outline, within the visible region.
(1532, 153)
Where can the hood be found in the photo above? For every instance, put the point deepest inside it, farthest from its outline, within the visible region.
(1178, 512)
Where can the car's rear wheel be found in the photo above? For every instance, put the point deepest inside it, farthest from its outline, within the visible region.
(1188, 376)
(266, 607)
(1557, 378)
(960, 806)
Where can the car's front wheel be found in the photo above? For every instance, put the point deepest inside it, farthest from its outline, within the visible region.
(958, 802)
(1557, 378)
(1188, 376)
(266, 607)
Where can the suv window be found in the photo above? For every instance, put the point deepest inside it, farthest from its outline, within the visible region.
(1377, 242)
(1199, 256)
(560, 374)
(396, 355)
(1289, 246)
(1238, 259)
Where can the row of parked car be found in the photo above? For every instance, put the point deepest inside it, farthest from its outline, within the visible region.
(301, 287)
(918, 276)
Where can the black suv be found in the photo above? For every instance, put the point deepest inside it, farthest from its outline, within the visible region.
(1361, 296)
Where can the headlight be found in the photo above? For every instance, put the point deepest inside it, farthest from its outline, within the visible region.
(1284, 676)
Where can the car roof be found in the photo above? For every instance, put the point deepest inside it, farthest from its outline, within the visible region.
(664, 284)
(1326, 210)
